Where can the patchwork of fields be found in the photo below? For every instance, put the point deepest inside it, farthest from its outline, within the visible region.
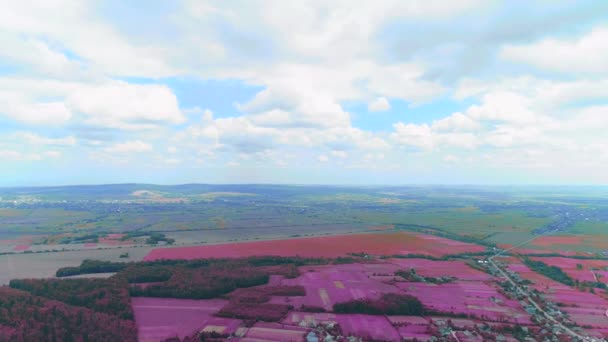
(586, 309)
(473, 294)
(402, 243)
(289, 263)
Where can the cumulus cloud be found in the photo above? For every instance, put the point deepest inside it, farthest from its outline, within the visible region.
(11, 155)
(380, 104)
(28, 156)
(126, 106)
(35, 139)
(414, 135)
(584, 54)
(53, 154)
(315, 65)
(20, 108)
(339, 154)
(39, 57)
(97, 43)
(456, 122)
(135, 146)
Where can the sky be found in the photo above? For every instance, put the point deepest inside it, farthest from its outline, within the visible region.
(304, 92)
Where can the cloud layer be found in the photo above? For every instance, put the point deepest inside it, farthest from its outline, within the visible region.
(391, 92)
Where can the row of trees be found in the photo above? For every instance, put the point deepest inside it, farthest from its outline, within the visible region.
(96, 266)
(552, 272)
(388, 304)
(255, 312)
(91, 267)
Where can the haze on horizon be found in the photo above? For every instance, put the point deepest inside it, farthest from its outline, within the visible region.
(313, 92)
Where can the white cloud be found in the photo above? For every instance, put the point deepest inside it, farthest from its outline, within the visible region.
(10, 155)
(456, 122)
(126, 106)
(339, 154)
(311, 60)
(35, 139)
(507, 136)
(38, 56)
(172, 161)
(20, 108)
(14, 155)
(504, 106)
(414, 135)
(53, 154)
(585, 54)
(76, 28)
(451, 159)
(135, 146)
(380, 104)
(109, 104)
(207, 115)
(403, 81)
(426, 137)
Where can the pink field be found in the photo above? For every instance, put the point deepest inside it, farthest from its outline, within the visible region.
(461, 323)
(274, 332)
(430, 268)
(160, 318)
(376, 327)
(90, 244)
(569, 265)
(328, 285)
(309, 319)
(221, 325)
(331, 284)
(408, 320)
(115, 236)
(474, 294)
(417, 332)
(584, 308)
(462, 337)
(19, 248)
(473, 298)
(328, 246)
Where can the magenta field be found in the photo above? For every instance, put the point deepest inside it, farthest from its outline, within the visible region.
(473, 293)
(452, 291)
(161, 318)
(262, 331)
(585, 308)
(579, 269)
(326, 246)
(473, 298)
(430, 268)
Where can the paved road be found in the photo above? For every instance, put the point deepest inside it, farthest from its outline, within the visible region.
(527, 295)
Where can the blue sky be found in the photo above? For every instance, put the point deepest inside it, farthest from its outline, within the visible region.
(310, 92)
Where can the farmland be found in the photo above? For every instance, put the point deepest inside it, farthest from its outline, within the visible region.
(581, 306)
(282, 263)
(48, 219)
(333, 246)
(288, 298)
(311, 299)
(159, 318)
